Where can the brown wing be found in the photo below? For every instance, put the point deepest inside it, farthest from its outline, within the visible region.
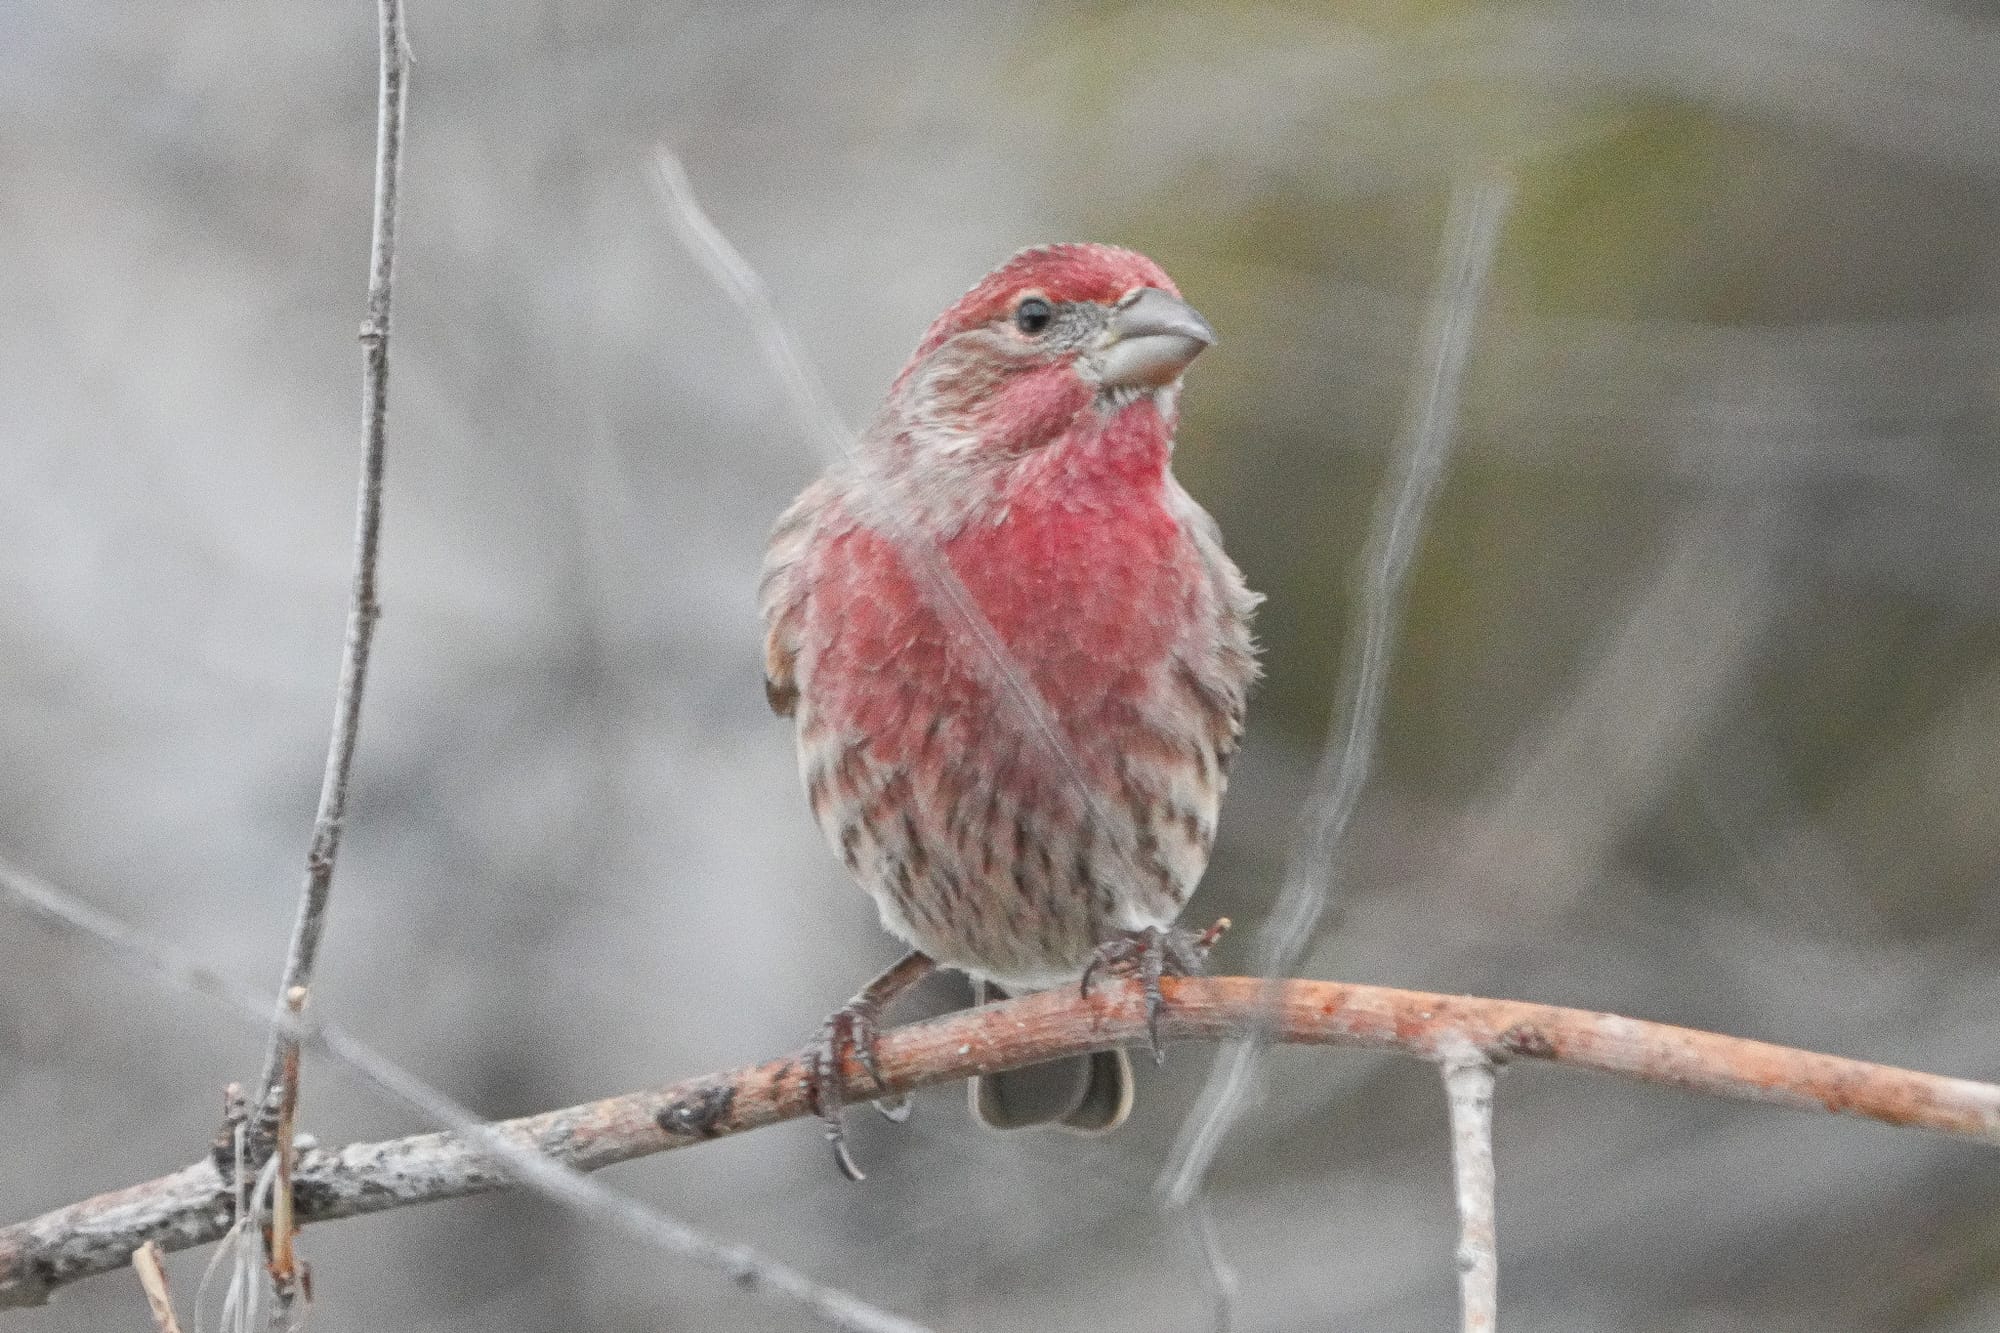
(781, 595)
(1224, 672)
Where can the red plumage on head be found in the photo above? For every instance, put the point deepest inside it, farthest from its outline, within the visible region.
(1070, 271)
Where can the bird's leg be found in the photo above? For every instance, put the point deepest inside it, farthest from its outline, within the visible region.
(851, 1029)
(1152, 953)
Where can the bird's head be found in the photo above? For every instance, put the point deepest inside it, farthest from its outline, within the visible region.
(1055, 331)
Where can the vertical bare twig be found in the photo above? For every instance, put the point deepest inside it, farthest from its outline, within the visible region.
(1468, 1086)
(277, 1101)
(153, 1277)
(363, 609)
(1471, 235)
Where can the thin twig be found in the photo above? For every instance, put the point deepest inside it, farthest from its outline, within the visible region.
(278, 1095)
(153, 1277)
(363, 609)
(206, 1207)
(1468, 1087)
(1471, 236)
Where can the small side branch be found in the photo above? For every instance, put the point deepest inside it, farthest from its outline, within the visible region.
(153, 1278)
(1468, 1087)
(192, 1206)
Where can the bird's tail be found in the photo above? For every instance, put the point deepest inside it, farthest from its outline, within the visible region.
(1085, 1094)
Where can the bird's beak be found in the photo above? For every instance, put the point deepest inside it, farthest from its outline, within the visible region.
(1150, 339)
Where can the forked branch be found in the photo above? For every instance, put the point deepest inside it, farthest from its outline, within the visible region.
(192, 1207)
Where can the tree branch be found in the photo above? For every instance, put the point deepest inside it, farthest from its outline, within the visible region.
(523, 1162)
(192, 1206)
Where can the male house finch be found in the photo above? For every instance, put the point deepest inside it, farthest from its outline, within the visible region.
(1025, 446)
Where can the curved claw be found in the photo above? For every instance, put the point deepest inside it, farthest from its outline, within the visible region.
(848, 1029)
(842, 1158)
(823, 1097)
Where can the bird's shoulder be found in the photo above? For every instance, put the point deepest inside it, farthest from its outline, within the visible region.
(783, 587)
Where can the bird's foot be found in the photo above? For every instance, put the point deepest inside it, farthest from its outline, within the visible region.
(852, 1030)
(849, 1030)
(1152, 953)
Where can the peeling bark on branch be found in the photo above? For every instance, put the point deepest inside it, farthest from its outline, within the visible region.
(192, 1206)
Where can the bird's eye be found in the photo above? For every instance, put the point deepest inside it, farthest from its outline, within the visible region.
(1033, 315)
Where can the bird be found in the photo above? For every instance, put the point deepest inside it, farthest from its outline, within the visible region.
(1017, 658)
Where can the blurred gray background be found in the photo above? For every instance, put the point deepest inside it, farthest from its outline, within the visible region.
(1696, 715)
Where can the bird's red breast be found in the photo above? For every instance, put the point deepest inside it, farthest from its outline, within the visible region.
(1079, 566)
